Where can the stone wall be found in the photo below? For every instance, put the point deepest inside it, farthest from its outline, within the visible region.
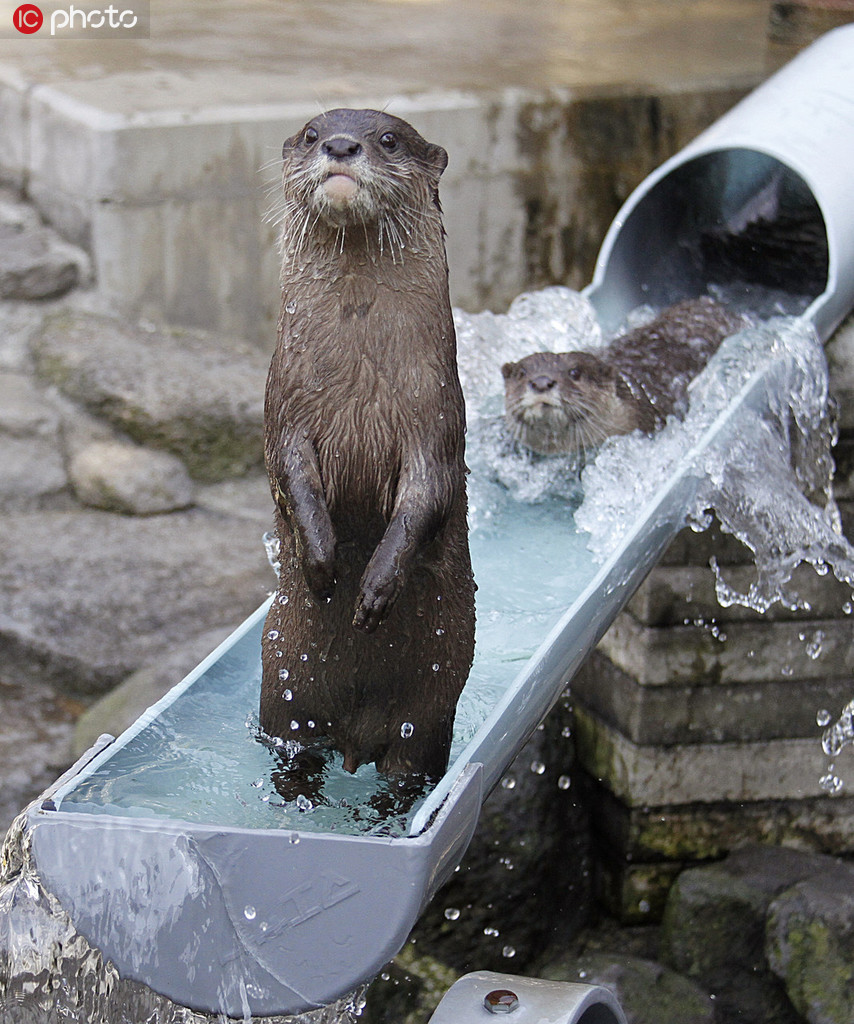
(174, 209)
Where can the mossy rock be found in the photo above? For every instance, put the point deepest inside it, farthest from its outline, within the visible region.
(192, 393)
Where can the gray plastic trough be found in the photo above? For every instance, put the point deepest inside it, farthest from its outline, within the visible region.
(341, 906)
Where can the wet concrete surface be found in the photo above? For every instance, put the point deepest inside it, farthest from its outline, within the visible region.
(210, 53)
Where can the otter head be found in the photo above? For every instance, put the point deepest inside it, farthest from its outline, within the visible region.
(360, 167)
(560, 402)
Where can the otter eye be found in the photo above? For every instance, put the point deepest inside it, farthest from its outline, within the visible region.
(574, 373)
(310, 136)
(389, 141)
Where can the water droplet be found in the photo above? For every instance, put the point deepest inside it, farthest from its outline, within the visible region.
(283, 599)
(406, 730)
(293, 839)
(566, 732)
(491, 933)
(288, 695)
(291, 307)
(823, 718)
(508, 782)
(564, 782)
(303, 657)
(283, 674)
(831, 784)
(643, 906)
(249, 913)
(435, 666)
(273, 634)
(309, 724)
(815, 644)
(440, 632)
(258, 783)
(294, 726)
(508, 951)
(304, 804)
(537, 767)
(451, 913)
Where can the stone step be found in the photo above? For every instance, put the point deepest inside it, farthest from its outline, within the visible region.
(716, 712)
(740, 652)
(641, 776)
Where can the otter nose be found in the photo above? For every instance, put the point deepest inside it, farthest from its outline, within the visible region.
(542, 382)
(340, 147)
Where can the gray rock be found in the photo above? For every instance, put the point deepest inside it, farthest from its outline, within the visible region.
(32, 473)
(36, 264)
(127, 478)
(247, 497)
(647, 992)
(810, 945)
(194, 394)
(86, 597)
(121, 707)
(18, 322)
(27, 410)
(714, 929)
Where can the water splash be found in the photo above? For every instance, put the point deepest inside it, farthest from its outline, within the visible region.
(769, 484)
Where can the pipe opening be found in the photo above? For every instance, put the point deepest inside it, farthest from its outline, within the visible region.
(731, 216)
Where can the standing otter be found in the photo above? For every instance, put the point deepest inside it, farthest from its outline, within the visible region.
(370, 636)
(569, 402)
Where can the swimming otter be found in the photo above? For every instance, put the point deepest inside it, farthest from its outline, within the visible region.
(569, 402)
(370, 636)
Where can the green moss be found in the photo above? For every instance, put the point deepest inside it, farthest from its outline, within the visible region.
(819, 975)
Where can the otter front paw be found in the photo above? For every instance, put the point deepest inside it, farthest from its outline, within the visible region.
(375, 601)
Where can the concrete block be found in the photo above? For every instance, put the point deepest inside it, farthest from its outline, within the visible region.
(674, 595)
(698, 773)
(741, 653)
(713, 713)
(703, 832)
(172, 253)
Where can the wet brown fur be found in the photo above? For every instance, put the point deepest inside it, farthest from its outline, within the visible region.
(371, 633)
(569, 402)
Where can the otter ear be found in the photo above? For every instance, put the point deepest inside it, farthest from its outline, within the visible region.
(507, 370)
(436, 157)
